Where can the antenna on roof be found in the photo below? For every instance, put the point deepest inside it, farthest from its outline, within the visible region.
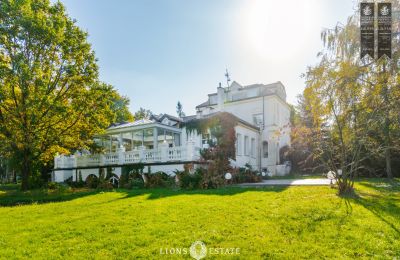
(227, 78)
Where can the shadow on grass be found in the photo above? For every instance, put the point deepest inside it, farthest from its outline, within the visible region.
(223, 191)
(381, 198)
(11, 195)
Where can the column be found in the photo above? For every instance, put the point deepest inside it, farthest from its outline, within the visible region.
(155, 137)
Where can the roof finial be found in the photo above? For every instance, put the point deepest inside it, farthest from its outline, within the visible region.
(227, 78)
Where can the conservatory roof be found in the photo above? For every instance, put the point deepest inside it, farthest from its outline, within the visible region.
(143, 121)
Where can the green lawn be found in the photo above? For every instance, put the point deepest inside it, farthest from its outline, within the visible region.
(275, 222)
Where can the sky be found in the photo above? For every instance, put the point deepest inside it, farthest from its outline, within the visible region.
(160, 52)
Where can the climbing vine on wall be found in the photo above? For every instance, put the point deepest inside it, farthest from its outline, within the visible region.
(222, 128)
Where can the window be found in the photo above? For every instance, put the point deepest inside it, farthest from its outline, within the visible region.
(253, 147)
(258, 119)
(205, 137)
(265, 149)
(246, 145)
(239, 144)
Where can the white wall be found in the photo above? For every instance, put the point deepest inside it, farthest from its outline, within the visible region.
(168, 169)
(276, 127)
(241, 157)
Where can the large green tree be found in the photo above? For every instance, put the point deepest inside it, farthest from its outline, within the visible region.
(50, 97)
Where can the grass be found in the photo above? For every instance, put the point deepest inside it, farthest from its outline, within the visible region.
(296, 175)
(272, 222)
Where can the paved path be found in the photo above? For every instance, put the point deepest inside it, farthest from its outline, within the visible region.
(289, 182)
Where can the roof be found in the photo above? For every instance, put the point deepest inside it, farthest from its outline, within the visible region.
(143, 121)
(177, 119)
(237, 118)
(205, 104)
(160, 117)
(188, 118)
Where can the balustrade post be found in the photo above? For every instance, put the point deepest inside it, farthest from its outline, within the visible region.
(121, 155)
(56, 161)
(164, 151)
(102, 159)
(74, 161)
(190, 150)
(141, 153)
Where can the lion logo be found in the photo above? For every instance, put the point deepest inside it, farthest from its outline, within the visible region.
(367, 10)
(198, 250)
(384, 10)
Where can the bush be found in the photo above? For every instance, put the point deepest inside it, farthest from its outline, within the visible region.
(159, 179)
(190, 180)
(131, 176)
(106, 185)
(52, 185)
(92, 181)
(137, 183)
(242, 175)
(214, 176)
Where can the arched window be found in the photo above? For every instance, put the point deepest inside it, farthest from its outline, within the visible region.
(265, 149)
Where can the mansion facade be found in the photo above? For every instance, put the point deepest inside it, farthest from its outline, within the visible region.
(163, 142)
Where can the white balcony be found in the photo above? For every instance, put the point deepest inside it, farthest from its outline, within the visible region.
(121, 157)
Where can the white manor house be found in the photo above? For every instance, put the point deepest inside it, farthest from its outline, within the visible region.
(163, 143)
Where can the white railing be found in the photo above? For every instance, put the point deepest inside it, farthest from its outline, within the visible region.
(176, 153)
(64, 161)
(132, 156)
(161, 154)
(111, 158)
(152, 155)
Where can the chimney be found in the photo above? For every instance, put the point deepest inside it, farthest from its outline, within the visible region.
(220, 97)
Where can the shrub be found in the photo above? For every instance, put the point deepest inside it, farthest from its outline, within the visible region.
(159, 179)
(92, 181)
(131, 176)
(213, 176)
(190, 180)
(242, 175)
(106, 185)
(52, 185)
(135, 183)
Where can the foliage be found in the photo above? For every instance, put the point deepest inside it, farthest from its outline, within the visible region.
(142, 114)
(221, 127)
(245, 175)
(189, 180)
(179, 110)
(92, 181)
(52, 185)
(351, 107)
(131, 176)
(50, 97)
(159, 180)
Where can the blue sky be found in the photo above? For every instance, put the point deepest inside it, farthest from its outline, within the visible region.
(159, 52)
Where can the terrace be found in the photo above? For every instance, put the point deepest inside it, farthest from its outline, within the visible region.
(144, 141)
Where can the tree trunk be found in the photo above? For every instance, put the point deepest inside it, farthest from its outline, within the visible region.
(25, 170)
(386, 128)
(388, 163)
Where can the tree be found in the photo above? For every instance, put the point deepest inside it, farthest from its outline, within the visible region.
(50, 97)
(354, 106)
(142, 113)
(179, 110)
(119, 105)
